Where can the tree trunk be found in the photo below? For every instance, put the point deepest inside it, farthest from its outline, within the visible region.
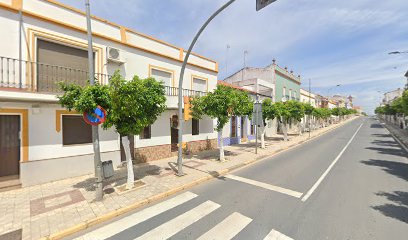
(263, 137)
(300, 128)
(222, 157)
(285, 130)
(129, 164)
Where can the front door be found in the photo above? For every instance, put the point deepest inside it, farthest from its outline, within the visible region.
(174, 139)
(132, 149)
(9, 145)
(243, 137)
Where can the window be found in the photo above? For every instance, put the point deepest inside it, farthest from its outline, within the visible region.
(75, 130)
(146, 133)
(233, 126)
(294, 94)
(284, 91)
(58, 62)
(162, 76)
(199, 84)
(290, 94)
(196, 127)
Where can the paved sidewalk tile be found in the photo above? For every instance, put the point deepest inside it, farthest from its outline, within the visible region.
(38, 211)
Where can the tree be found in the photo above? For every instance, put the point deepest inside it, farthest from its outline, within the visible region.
(322, 114)
(221, 104)
(308, 112)
(405, 102)
(283, 115)
(268, 113)
(297, 112)
(130, 105)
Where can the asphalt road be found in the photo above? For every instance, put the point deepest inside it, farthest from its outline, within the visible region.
(351, 183)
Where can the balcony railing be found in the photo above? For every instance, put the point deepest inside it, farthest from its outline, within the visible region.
(41, 77)
(173, 91)
(44, 78)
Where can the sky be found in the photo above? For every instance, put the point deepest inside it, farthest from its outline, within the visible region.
(332, 42)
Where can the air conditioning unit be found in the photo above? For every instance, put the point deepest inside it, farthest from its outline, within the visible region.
(114, 55)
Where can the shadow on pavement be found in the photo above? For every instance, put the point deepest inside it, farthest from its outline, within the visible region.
(385, 143)
(397, 169)
(389, 150)
(399, 209)
(381, 135)
(376, 125)
(120, 177)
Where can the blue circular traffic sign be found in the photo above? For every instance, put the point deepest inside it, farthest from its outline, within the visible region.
(96, 117)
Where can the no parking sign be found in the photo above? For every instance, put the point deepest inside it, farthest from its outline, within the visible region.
(96, 117)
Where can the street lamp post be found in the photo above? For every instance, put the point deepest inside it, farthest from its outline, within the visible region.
(328, 91)
(259, 5)
(310, 103)
(95, 133)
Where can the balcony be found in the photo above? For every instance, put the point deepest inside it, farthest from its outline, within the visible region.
(40, 77)
(44, 78)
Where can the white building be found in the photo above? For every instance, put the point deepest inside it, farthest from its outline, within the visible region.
(39, 140)
(392, 95)
(261, 85)
(308, 97)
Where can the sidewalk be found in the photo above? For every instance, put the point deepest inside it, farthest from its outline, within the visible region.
(401, 134)
(59, 208)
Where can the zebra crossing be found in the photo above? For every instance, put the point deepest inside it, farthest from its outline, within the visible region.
(228, 228)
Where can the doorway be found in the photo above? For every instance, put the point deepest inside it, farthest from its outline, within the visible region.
(132, 149)
(9, 145)
(174, 133)
(243, 128)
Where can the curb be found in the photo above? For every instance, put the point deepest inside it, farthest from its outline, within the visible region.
(157, 197)
(397, 138)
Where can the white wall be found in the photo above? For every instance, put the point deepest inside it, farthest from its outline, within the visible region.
(137, 61)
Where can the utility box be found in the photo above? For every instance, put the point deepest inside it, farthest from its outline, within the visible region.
(107, 169)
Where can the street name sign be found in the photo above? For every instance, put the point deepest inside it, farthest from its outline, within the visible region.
(263, 3)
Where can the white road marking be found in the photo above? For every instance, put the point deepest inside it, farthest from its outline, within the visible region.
(136, 218)
(266, 186)
(275, 235)
(228, 228)
(177, 224)
(311, 190)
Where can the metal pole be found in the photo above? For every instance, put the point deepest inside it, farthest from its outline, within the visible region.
(20, 48)
(256, 132)
(180, 90)
(95, 134)
(310, 93)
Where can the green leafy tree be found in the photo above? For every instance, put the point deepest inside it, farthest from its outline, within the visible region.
(322, 115)
(130, 105)
(223, 103)
(405, 102)
(309, 113)
(283, 114)
(297, 112)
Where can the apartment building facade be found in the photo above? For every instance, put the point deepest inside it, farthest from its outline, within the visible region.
(271, 81)
(40, 141)
(390, 96)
